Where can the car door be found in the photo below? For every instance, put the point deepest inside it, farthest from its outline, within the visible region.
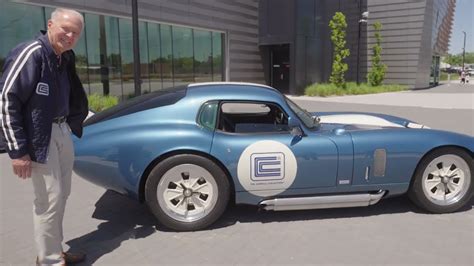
(255, 143)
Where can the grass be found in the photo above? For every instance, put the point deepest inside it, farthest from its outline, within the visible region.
(99, 102)
(444, 76)
(327, 89)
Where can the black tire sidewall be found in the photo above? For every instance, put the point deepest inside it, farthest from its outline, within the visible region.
(416, 193)
(159, 170)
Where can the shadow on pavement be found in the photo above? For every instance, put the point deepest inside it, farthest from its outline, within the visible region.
(126, 219)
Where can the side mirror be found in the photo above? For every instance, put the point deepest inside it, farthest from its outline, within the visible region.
(295, 127)
(293, 122)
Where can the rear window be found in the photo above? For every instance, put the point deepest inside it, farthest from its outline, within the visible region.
(143, 102)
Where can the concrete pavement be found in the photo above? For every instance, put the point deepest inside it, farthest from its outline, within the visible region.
(446, 96)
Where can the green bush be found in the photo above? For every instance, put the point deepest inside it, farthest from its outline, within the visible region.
(325, 89)
(377, 74)
(444, 76)
(99, 102)
(338, 27)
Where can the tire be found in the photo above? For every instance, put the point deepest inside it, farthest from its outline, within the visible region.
(443, 181)
(187, 192)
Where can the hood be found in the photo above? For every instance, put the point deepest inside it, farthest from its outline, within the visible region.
(367, 120)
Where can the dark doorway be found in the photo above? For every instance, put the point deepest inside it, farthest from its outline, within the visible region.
(280, 67)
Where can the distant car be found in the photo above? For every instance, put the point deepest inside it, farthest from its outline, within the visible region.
(188, 150)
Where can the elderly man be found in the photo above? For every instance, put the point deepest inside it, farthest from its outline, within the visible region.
(42, 102)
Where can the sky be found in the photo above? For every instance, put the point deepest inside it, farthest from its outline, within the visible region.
(463, 21)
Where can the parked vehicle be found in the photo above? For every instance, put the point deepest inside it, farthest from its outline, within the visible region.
(187, 151)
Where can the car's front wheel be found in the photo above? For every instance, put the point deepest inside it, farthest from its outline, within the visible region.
(187, 192)
(443, 181)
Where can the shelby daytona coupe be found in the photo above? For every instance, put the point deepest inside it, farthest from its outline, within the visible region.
(187, 151)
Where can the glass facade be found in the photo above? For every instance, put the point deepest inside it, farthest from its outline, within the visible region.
(169, 55)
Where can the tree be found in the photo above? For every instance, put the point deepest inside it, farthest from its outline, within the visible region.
(456, 60)
(377, 74)
(338, 27)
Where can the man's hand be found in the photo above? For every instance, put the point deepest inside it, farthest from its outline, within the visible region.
(22, 167)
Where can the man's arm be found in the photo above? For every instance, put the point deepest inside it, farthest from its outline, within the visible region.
(20, 77)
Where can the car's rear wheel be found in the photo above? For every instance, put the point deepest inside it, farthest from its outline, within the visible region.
(187, 192)
(443, 181)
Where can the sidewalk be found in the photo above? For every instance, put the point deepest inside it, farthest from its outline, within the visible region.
(446, 96)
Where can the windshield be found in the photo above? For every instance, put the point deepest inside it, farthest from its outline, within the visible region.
(308, 120)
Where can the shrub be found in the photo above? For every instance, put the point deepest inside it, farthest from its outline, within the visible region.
(99, 103)
(325, 89)
(377, 74)
(338, 27)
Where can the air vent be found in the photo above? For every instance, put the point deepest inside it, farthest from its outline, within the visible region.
(380, 160)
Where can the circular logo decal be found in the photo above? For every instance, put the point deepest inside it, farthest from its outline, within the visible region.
(267, 168)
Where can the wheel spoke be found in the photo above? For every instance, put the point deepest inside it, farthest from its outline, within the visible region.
(433, 183)
(452, 187)
(177, 190)
(178, 197)
(181, 202)
(186, 209)
(439, 190)
(195, 182)
(434, 171)
(454, 173)
(201, 187)
(197, 201)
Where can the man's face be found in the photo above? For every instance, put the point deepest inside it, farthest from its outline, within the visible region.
(64, 32)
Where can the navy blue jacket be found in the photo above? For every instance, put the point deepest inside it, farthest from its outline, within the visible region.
(29, 94)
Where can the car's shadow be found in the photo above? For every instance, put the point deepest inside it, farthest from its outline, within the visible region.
(126, 219)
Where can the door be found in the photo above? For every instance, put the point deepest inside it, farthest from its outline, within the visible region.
(254, 141)
(280, 67)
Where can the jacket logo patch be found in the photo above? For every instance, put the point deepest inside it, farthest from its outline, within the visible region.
(42, 89)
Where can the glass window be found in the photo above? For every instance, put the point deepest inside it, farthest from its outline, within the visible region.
(154, 54)
(308, 119)
(305, 17)
(112, 65)
(143, 43)
(208, 115)
(92, 37)
(166, 56)
(202, 56)
(18, 23)
(252, 117)
(126, 51)
(182, 55)
(169, 55)
(81, 61)
(217, 58)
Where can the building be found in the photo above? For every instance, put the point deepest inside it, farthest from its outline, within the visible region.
(283, 43)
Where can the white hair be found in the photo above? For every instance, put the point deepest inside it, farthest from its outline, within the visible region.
(59, 11)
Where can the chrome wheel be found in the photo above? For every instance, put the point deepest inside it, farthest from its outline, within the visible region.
(446, 179)
(187, 192)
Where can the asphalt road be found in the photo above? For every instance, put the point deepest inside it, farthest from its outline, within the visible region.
(112, 229)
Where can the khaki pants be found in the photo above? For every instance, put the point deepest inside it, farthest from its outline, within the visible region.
(52, 186)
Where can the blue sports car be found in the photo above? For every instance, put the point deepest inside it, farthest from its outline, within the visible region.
(187, 151)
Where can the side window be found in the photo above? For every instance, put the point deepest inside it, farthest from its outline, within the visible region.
(208, 115)
(252, 117)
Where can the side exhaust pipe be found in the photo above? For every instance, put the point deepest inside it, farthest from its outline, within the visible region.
(322, 202)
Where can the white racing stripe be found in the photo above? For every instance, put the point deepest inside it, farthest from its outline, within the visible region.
(357, 119)
(5, 116)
